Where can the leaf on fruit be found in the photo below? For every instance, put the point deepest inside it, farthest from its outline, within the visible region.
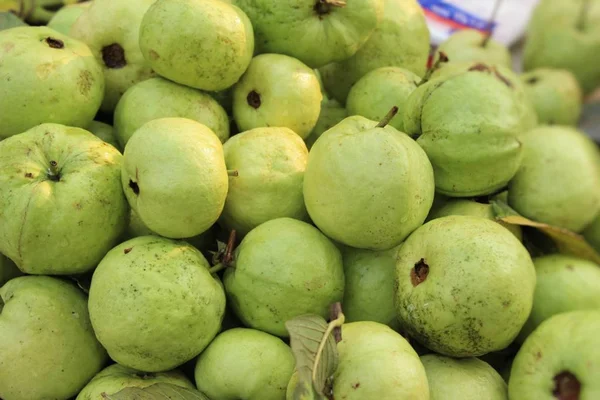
(9, 20)
(157, 391)
(566, 241)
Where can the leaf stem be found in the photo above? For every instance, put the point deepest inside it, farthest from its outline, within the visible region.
(336, 323)
(490, 29)
(386, 120)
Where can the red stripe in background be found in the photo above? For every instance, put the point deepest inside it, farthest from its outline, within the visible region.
(448, 22)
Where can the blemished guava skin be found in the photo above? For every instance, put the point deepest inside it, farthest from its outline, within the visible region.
(104, 132)
(381, 89)
(331, 114)
(277, 90)
(8, 269)
(201, 44)
(48, 348)
(157, 98)
(554, 186)
(559, 360)
(564, 283)
(174, 176)
(64, 18)
(592, 233)
(115, 378)
(282, 269)
(566, 36)
(367, 187)
(46, 77)
(316, 32)
(59, 219)
(111, 29)
(270, 163)
(555, 94)
(247, 364)
(447, 301)
(468, 124)
(400, 40)
(165, 289)
(462, 379)
(468, 45)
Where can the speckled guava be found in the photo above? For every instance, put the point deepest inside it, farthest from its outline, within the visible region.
(104, 132)
(447, 301)
(64, 18)
(151, 288)
(471, 45)
(331, 114)
(8, 270)
(282, 269)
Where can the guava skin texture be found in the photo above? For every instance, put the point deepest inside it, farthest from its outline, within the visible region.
(115, 378)
(462, 379)
(283, 268)
(559, 360)
(48, 348)
(201, 44)
(174, 176)
(270, 163)
(592, 233)
(554, 186)
(564, 283)
(567, 36)
(280, 91)
(61, 199)
(157, 98)
(378, 91)
(316, 32)
(468, 124)
(367, 187)
(245, 364)
(64, 18)
(332, 113)
(104, 132)
(152, 279)
(400, 40)
(447, 301)
(468, 45)
(111, 29)
(46, 77)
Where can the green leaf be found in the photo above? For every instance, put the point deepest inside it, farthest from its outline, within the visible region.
(9, 20)
(157, 391)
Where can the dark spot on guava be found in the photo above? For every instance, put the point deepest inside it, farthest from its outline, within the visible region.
(566, 386)
(479, 67)
(502, 78)
(570, 267)
(153, 55)
(126, 251)
(419, 273)
(134, 186)
(356, 385)
(85, 81)
(55, 43)
(53, 173)
(538, 355)
(532, 80)
(114, 56)
(253, 99)
(28, 175)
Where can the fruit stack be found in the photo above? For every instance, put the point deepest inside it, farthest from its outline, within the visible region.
(269, 200)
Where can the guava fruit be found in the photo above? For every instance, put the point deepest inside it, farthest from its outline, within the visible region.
(556, 186)
(48, 348)
(174, 176)
(559, 360)
(367, 186)
(46, 77)
(462, 379)
(474, 46)
(468, 124)
(331, 114)
(282, 269)
(555, 94)
(111, 29)
(151, 288)
(400, 40)
(270, 163)
(202, 44)
(447, 301)
(115, 378)
(8, 269)
(564, 283)
(592, 233)
(277, 90)
(316, 32)
(61, 201)
(379, 90)
(566, 35)
(245, 364)
(64, 18)
(104, 132)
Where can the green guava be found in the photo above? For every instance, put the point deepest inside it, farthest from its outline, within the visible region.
(592, 233)
(331, 114)
(61, 201)
(64, 18)
(202, 44)
(157, 98)
(447, 301)
(245, 364)
(8, 270)
(367, 186)
(559, 360)
(554, 186)
(283, 268)
(151, 288)
(280, 91)
(270, 163)
(46, 77)
(381, 89)
(48, 348)
(471, 45)
(462, 379)
(174, 176)
(104, 132)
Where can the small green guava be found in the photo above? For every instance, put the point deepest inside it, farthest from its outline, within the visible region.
(64, 18)
(475, 46)
(104, 132)
(331, 114)
(245, 364)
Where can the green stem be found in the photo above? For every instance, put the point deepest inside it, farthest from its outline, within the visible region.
(442, 58)
(336, 323)
(386, 120)
(218, 267)
(490, 30)
(583, 12)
